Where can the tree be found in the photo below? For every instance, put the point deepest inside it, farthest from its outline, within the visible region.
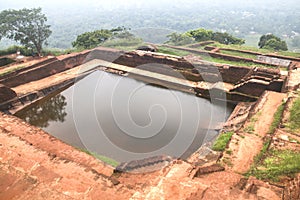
(179, 39)
(26, 26)
(93, 39)
(90, 40)
(201, 34)
(121, 33)
(223, 38)
(270, 41)
(276, 45)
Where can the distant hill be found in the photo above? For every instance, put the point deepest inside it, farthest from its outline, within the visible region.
(153, 20)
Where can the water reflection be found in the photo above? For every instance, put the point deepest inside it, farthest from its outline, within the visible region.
(46, 111)
(125, 119)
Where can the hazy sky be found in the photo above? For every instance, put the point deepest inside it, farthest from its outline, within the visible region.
(4, 4)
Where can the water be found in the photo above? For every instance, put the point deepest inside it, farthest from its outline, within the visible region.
(125, 119)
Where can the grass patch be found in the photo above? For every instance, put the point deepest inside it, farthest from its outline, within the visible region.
(221, 142)
(255, 49)
(227, 161)
(278, 163)
(276, 118)
(258, 158)
(290, 54)
(167, 50)
(235, 63)
(5, 72)
(229, 151)
(294, 140)
(124, 44)
(105, 159)
(294, 119)
(242, 47)
(236, 53)
(250, 128)
(171, 51)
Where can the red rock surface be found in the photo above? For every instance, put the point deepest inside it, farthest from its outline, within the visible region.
(34, 165)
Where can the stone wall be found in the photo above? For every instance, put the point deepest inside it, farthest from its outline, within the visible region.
(257, 53)
(5, 76)
(6, 94)
(212, 52)
(190, 70)
(44, 70)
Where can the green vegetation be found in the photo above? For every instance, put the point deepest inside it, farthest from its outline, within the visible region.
(13, 49)
(250, 128)
(278, 163)
(171, 51)
(119, 36)
(123, 43)
(26, 26)
(28, 52)
(273, 164)
(270, 41)
(221, 142)
(276, 118)
(4, 72)
(240, 54)
(105, 159)
(6, 61)
(263, 51)
(176, 52)
(223, 38)
(229, 151)
(242, 47)
(200, 35)
(294, 119)
(227, 161)
(258, 158)
(179, 39)
(89, 40)
(235, 63)
(291, 54)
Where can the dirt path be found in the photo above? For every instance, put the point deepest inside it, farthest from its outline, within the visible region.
(246, 144)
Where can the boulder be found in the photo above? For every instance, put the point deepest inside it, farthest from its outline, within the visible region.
(149, 47)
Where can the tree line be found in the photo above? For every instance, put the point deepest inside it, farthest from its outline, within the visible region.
(29, 28)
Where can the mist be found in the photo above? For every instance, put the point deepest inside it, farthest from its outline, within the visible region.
(243, 19)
